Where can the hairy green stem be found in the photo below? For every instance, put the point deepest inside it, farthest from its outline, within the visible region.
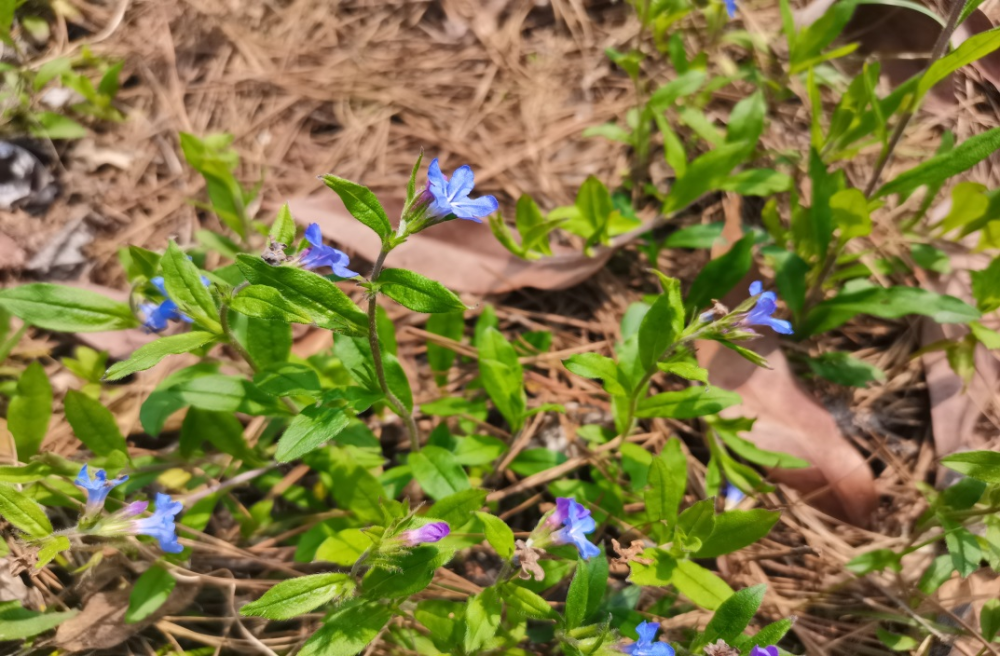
(397, 405)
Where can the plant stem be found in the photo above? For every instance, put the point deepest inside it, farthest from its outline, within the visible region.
(397, 405)
(897, 134)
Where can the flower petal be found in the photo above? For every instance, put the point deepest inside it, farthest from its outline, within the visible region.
(756, 287)
(314, 235)
(780, 326)
(436, 182)
(647, 631)
(461, 183)
(475, 208)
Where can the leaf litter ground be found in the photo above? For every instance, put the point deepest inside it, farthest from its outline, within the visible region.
(509, 89)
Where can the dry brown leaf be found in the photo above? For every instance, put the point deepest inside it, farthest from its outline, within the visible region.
(789, 420)
(528, 559)
(101, 623)
(462, 255)
(11, 255)
(720, 648)
(630, 554)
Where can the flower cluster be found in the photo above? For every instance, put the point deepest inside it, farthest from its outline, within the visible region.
(756, 311)
(569, 523)
(159, 525)
(156, 316)
(760, 315)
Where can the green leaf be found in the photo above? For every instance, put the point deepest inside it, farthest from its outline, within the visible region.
(440, 358)
(51, 125)
(963, 547)
(682, 86)
(746, 121)
(941, 167)
(770, 634)
(264, 302)
(662, 325)
(850, 214)
(700, 585)
(888, 303)
(688, 403)
(981, 465)
(734, 614)
(667, 482)
(843, 369)
(456, 508)
(52, 548)
(17, 623)
(23, 513)
(30, 410)
(222, 429)
(737, 529)
(986, 286)
(594, 202)
(347, 632)
(720, 275)
(66, 309)
(151, 591)
(283, 229)
(586, 591)
(343, 547)
(596, 366)
(418, 293)
(419, 566)
(989, 619)
(697, 521)
(535, 461)
(526, 602)
(972, 49)
(318, 298)
(300, 595)
(437, 472)
(757, 182)
(706, 173)
(939, 571)
(896, 641)
(268, 343)
(685, 370)
(310, 429)
(288, 379)
(216, 161)
(184, 286)
(93, 424)
(498, 534)
(750, 451)
(482, 619)
(149, 355)
(875, 561)
(362, 204)
(502, 377)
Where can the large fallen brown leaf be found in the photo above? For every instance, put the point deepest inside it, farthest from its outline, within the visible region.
(461, 255)
(101, 623)
(840, 482)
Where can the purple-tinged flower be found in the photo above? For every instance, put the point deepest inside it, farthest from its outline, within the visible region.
(97, 488)
(160, 524)
(427, 533)
(761, 313)
(563, 506)
(645, 645)
(577, 522)
(764, 651)
(319, 255)
(446, 197)
(733, 495)
(731, 8)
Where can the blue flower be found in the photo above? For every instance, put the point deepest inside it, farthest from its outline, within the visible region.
(320, 255)
(577, 522)
(427, 533)
(764, 651)
(157, 316)
(733, 495)
(160, 524)
(97, 488)
(448, 197)
(731, 8)
(645, 646)
(761, 313)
